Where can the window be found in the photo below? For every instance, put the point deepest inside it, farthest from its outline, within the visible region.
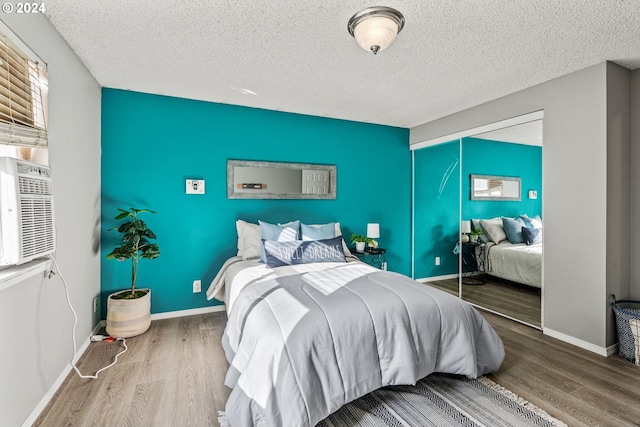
(23, 103)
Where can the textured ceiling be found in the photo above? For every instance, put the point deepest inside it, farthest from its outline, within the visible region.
(297, 56)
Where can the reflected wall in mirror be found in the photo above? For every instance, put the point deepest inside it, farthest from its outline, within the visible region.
(507, 275)
(486, 187)
(248, 179)
(436, 213)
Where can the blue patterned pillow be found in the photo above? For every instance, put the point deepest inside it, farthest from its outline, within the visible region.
(279, 233)
(318, 232)
(303, 252)
(513, 229)
(532, 236)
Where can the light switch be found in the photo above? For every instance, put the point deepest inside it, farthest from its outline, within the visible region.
(533, 194)
(195, 186)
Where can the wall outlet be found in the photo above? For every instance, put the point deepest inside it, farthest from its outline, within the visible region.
(197, 286)
(95, 305)
(437, 260)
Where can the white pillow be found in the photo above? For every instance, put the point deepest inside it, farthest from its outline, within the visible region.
(493, 229)
(345, 248)
(249, 240)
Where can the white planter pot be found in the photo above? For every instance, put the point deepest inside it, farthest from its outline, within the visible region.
(128, 317)
(360, 246)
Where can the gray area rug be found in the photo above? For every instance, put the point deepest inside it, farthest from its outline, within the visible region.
(441, 400)
(438, 400)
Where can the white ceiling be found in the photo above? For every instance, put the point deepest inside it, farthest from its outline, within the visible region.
(297, 56)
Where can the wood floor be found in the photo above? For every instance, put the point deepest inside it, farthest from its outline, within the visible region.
(173, 376)
(518, 301)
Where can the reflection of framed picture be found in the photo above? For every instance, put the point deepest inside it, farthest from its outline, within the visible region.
(489, 187)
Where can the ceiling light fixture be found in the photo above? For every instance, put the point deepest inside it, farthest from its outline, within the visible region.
(375, 28)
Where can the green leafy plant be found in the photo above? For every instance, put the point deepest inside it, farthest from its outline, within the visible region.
(135, 244)
(360, 238)
(476, 232)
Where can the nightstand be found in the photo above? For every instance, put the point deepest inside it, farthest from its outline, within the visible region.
(472, 258)
(372, 256)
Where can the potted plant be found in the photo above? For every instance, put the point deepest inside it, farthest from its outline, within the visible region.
(474, 235)
(360, 240)
(129, 311)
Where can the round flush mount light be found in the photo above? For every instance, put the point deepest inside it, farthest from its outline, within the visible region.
(376, 27)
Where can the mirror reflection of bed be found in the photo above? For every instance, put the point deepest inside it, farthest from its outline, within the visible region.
(507, 278)
(512, 262)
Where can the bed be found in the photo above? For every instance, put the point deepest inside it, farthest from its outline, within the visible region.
(520, 263)
(302, 340)
(513, 248)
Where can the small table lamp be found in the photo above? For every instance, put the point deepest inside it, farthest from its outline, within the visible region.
(465, 228)
(373, 232)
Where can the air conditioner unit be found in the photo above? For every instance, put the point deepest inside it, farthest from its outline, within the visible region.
(27, 225)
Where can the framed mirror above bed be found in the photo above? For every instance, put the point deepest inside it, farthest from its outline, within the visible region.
(489, 187)
(248, 179)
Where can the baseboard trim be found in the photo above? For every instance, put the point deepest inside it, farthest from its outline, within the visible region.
(31, 419)
(434, 278)
(602, 351)
(190, 312)
(33, 416)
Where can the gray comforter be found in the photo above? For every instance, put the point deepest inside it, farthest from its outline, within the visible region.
(301, 346)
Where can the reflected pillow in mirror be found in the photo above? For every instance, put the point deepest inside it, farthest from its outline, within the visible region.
(493, 229)
(303, 252)
(535, 222)
(249, 240)
(278, 232)
(532, 236)
(513, 229)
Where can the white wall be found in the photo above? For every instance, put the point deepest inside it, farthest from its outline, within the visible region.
(575, 194)
(35, 322)
(618, 191)
(635, 183)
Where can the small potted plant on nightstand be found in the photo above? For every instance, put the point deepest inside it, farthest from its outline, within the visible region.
(474, 235)
(359, 240)
(129, 311)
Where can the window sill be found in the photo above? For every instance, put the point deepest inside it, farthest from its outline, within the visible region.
(16, 274)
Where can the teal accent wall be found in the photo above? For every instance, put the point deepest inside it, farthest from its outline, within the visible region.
(151, 144)
(484, 157)
(436, 208)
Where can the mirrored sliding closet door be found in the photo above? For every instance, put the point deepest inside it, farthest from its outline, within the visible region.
(436, 215)
(483, 243)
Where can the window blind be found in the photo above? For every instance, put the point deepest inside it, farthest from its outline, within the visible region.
(23, 90)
